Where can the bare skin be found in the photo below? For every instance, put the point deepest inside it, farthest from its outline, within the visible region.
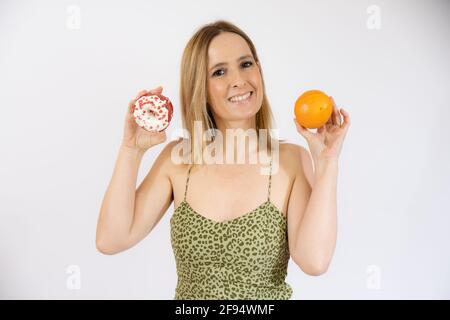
(232, 70)
(218, 192)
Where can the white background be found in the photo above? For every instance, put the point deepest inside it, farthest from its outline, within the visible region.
(69, 68)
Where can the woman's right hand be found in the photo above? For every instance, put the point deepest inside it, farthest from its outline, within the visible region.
(134, 136)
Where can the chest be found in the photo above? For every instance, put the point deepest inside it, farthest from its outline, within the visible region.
(227, 193)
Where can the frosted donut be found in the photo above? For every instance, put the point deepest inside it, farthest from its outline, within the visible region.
(153, 112)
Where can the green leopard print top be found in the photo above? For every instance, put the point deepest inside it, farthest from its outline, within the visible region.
(243, 258)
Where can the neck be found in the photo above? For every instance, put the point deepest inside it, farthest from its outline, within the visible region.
(239, 140)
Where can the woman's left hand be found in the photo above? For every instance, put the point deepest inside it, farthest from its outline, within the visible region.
(326, 143)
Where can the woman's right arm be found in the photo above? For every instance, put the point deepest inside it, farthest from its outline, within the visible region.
(128, 214)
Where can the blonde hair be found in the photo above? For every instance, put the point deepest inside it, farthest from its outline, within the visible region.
(193, 83)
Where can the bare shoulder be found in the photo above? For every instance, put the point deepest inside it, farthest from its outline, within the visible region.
(297, 160)
(293, 153)
(176, 166)
(170, 157)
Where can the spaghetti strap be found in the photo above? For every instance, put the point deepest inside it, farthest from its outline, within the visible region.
(187, 182)
(270, 180)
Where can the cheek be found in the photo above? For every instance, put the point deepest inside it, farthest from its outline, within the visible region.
(217, 94)
(215, 97)
(257, 79)
(216, 91)
(258, 85)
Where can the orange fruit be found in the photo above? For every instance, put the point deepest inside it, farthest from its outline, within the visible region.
(313, 109)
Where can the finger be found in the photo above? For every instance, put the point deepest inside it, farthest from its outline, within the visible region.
(346, 116)
(330, 120)
(335, 115)
(162, 135)
(157, 90)
(154, 138)
(131, 106)
(321, 129)
(328, 125)
(141, 93)
(303, 131)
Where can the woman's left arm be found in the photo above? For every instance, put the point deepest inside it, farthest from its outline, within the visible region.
(313, 233)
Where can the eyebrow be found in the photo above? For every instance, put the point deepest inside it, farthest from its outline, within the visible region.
(224, 63)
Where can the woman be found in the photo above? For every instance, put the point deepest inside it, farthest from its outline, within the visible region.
(229, 243)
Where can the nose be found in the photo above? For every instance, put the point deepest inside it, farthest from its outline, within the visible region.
(237, 80)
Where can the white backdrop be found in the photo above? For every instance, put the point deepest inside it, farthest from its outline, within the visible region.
(69, 68)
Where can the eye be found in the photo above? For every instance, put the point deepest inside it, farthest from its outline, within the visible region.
(246, 64)
(215, 72)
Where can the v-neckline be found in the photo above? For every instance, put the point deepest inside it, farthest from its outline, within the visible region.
(249, 213)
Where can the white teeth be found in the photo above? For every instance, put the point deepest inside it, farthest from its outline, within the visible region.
(240, 98)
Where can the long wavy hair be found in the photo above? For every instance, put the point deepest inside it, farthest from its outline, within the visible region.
(193, 85)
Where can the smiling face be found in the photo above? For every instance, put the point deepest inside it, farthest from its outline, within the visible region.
(232, 74)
